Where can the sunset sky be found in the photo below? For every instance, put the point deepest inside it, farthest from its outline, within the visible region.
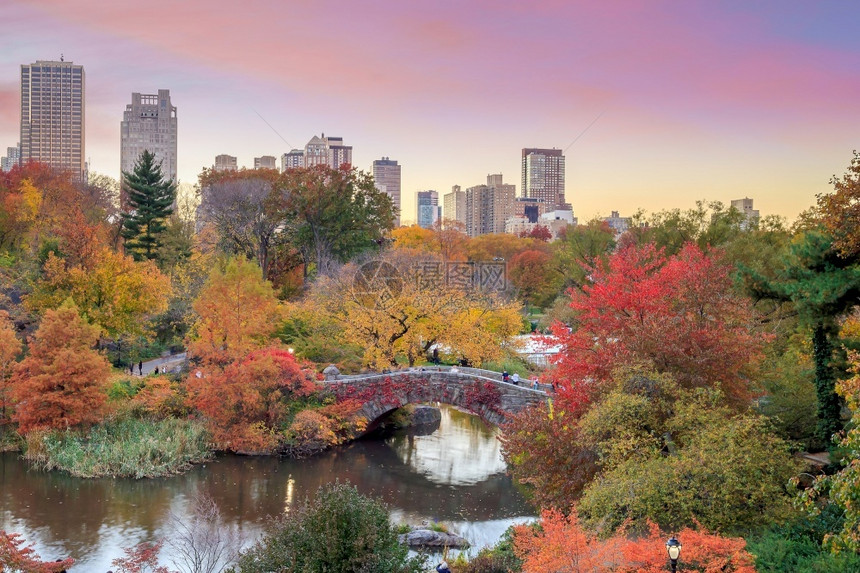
(696, 100)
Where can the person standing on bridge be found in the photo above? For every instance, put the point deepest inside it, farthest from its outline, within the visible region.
(516, 378)
(505, 376)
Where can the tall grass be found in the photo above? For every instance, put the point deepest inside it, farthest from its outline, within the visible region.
(125, 447)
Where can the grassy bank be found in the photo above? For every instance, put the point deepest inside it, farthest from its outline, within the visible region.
(122, 448)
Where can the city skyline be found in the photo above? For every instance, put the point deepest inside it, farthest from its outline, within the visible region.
(664, 104)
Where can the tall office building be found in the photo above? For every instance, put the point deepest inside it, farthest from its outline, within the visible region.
(489, 206)
(386, 175)
(454, 205)
(543, 177)
(11, 159)
(428, 208)
(149, 124)
(226, 163)
(53, 116)
(265, 162)
(329, 151)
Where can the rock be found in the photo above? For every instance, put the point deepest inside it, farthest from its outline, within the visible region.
(331, 372)
(430, 538)
(429, 415)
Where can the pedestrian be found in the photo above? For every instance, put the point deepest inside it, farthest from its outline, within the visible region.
(140, 368)
(443, 568)
(534, 382)
(516, 378)
(156, 370)
(504, 376)
(131, 368)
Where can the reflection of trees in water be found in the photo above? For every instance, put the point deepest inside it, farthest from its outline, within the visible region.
(91, 518)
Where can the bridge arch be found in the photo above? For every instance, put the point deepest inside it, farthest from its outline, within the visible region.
(491, 399)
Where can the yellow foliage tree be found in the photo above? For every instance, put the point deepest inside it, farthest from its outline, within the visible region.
(237, 312)
(115, 292)
(382, 307)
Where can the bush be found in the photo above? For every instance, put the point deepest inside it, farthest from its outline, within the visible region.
(122, 448)
(783, 552)
(340, 531)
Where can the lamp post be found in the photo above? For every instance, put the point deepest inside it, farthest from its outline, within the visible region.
(673, 547)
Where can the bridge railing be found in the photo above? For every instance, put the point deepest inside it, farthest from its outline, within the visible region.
(471, 373)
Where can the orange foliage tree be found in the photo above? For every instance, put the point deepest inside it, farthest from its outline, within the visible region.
(60, 384)
(10, 347)
(246, 402)
(561, 545)
(17, 558)
(237, 312)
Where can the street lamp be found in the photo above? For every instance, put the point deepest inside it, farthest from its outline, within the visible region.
(673, 547)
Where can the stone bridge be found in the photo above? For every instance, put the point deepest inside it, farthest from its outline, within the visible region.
(481, 392)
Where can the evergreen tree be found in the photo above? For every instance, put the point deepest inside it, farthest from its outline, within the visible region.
(150, 203)
(823, 286)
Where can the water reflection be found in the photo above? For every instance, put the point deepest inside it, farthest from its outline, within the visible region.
(455, 476)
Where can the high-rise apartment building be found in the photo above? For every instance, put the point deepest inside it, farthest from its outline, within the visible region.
(226, 163)
(543, 177)
(327, 151)
(149, 123)
(454, 205)
(745, 206)
(386, 175)
(293, 159)
(489, 206)
(53, 116)
(428, 208)
(265, 162)
(11, 159)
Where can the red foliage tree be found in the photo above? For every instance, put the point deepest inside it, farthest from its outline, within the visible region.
(17, 558)
(562, 545)
(678, 313)
(61, 383)
(142, 558)
(246, 401)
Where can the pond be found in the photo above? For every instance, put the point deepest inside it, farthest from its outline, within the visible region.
(455, 476)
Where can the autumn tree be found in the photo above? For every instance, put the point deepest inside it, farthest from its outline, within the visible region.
(388, 307)
(677, 313)
(16, 557)
(840, 210)
(580, 248)
(335, 214)
(247, 209)
(532, 276)
(112, 291)
(237, 312)
(10, 348)
(149, 205)
(59, 385)
(247, 402)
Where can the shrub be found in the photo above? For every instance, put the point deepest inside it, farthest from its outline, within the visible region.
(122, 448)
(340, 531)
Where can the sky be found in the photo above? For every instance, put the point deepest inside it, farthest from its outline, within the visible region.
(656, 103)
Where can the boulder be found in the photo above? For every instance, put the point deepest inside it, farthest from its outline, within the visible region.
(430, 538)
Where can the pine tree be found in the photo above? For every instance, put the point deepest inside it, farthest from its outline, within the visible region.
(150, 203)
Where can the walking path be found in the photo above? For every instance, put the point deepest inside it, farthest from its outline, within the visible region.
(171, 363)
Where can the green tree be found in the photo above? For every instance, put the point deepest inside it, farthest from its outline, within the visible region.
(340, 531)
(150, 204)
(822, 286)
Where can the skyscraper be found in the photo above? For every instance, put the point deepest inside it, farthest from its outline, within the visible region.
(543, 177)
(293, 159)
(386, 175)
(489, 206)
(11, 159)
(329, 151)
(454, 205)
(52, 115)
(149, 123)
(428, 208)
